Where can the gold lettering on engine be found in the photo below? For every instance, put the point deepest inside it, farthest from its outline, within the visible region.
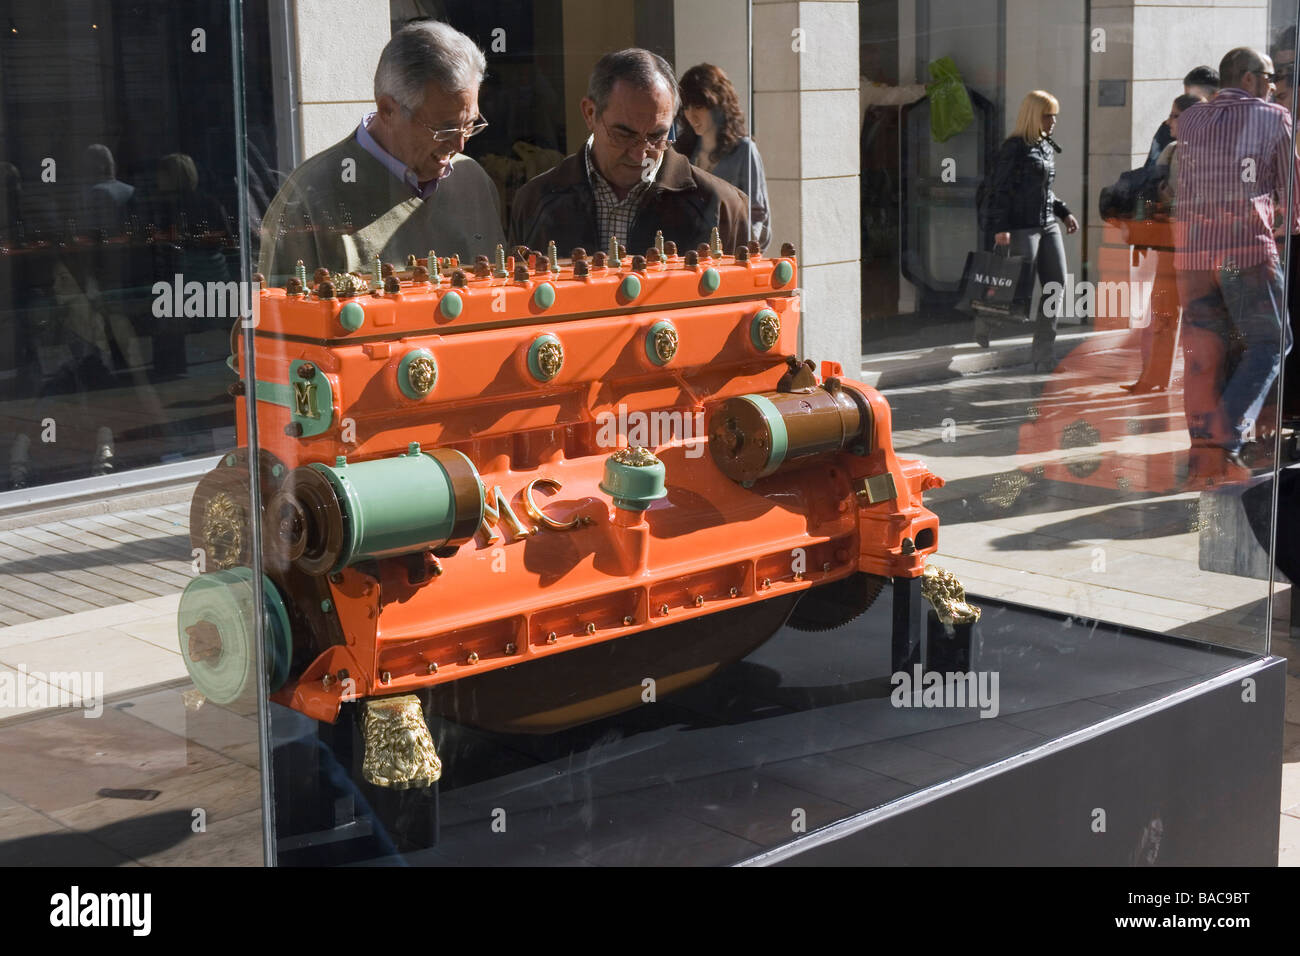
(496, 507)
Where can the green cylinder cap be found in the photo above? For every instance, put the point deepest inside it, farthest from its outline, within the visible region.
(710, 281)
(629, 288)
(544, 296)
(634, 478)
(216, 617)
(782, 273)
(351, 316)
(451, 304)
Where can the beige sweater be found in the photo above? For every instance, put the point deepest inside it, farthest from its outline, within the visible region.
(341, 207)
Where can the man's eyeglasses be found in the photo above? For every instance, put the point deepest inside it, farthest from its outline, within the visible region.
(625, 138)
(456, 132)
(1271, 77)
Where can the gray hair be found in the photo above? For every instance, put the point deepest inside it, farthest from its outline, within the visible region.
(635, 66)
(425, 52)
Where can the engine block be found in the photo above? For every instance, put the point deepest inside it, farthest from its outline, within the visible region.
(469, 470)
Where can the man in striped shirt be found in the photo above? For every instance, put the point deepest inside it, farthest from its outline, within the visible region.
(1237, 160)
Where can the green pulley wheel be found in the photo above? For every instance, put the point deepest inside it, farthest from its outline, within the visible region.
(218, 643)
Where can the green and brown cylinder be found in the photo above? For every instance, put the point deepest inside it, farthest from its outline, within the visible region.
(330, 516)
(753, 436)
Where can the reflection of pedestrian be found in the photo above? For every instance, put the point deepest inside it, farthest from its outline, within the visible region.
(720, 146)
(189, 240)
(106, 197)
(1160, 338)
(1202, 82)
(1023, 210)
(1235, 155)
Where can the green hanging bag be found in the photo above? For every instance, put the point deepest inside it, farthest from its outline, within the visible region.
(950, 108)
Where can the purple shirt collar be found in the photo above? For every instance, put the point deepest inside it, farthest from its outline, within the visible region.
(393, 164)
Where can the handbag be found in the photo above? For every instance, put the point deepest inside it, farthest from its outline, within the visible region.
(997, 285)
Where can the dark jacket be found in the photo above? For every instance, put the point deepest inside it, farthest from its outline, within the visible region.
(686, 203)
(1020, 196)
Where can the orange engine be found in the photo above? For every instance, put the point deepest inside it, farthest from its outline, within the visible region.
(471, 473)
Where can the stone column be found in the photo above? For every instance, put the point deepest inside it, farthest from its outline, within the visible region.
(806, 119)
(335, 76)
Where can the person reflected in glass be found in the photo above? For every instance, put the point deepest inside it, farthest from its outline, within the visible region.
(717, 142)
(190, 236)
(1160, 337)
(1023, 212)
(1236, 157)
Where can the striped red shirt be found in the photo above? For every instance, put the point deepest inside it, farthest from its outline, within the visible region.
(1235, 159)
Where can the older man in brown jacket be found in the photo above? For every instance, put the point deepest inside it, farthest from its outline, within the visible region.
(626, 182)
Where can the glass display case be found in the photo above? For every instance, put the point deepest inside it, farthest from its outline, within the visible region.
(517, 451)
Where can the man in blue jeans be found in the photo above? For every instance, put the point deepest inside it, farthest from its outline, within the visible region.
(1236, 158)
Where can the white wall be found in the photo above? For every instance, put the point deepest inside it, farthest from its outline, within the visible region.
(806, 104)
(714, 31)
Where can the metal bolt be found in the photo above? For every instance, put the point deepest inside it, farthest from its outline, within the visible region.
(629, 620)
(767, 583)
(293, 429)
(715, 243)
(510, 648)
(326, 605)
(734, 592)
(385, 678)
(663, 608)
(327, 680)
(236, 389)
(699, 600)
(590, 628)
(826, 566)
(500, 270)
(433, 668)
(553, 256)
(306, 370)
(473, 657)
(550, 638)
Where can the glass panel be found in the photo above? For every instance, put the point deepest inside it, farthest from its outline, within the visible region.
(475, 563)
(128, 700)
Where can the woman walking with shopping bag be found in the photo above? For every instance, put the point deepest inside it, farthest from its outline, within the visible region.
(1023, 211)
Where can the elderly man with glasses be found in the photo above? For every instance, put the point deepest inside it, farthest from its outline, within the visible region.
(626, 183)
(398, 184)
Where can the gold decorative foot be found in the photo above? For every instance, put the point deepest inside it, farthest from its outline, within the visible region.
(948, 598)
(399, 750)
